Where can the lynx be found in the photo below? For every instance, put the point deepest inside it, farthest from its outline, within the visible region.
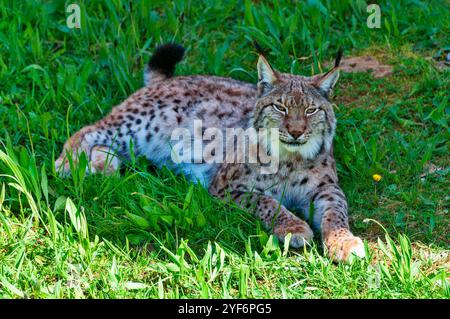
(297, 107)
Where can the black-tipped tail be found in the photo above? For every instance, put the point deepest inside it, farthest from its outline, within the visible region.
(165, 58)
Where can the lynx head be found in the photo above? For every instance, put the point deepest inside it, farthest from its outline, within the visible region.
(298, 107)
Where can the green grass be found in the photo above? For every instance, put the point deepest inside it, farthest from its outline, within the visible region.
(145, 233)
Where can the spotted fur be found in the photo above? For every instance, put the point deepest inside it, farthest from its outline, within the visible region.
(297, 106)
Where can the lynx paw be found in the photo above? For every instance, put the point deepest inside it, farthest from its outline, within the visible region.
(62, 166)
(345, 248)
(103, 161)
(300, 231)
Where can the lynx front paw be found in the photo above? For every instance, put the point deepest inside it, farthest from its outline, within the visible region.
(300, 231)
(345, 248)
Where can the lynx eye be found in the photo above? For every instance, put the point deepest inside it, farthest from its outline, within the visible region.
(311, 111)
(280, 108)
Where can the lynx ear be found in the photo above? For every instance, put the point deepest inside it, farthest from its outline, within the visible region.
(266, 76)
(326, 83)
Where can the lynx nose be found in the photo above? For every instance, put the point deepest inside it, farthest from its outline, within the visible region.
(295, 134)
(295, 130)
(295, 127)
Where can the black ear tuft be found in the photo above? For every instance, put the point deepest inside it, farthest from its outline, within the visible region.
(165, 58)
(338, 59)
(259, 48)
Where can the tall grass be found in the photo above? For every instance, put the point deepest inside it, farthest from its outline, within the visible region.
(146, 233)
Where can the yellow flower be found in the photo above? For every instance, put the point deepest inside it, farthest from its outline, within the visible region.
(376, 177)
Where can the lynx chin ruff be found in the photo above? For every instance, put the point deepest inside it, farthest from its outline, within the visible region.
(297, 106)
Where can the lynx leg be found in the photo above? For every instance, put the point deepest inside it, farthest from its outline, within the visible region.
(103, 160)
(74, 146)
(91, 141)
(331, 217)
(277, 218)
